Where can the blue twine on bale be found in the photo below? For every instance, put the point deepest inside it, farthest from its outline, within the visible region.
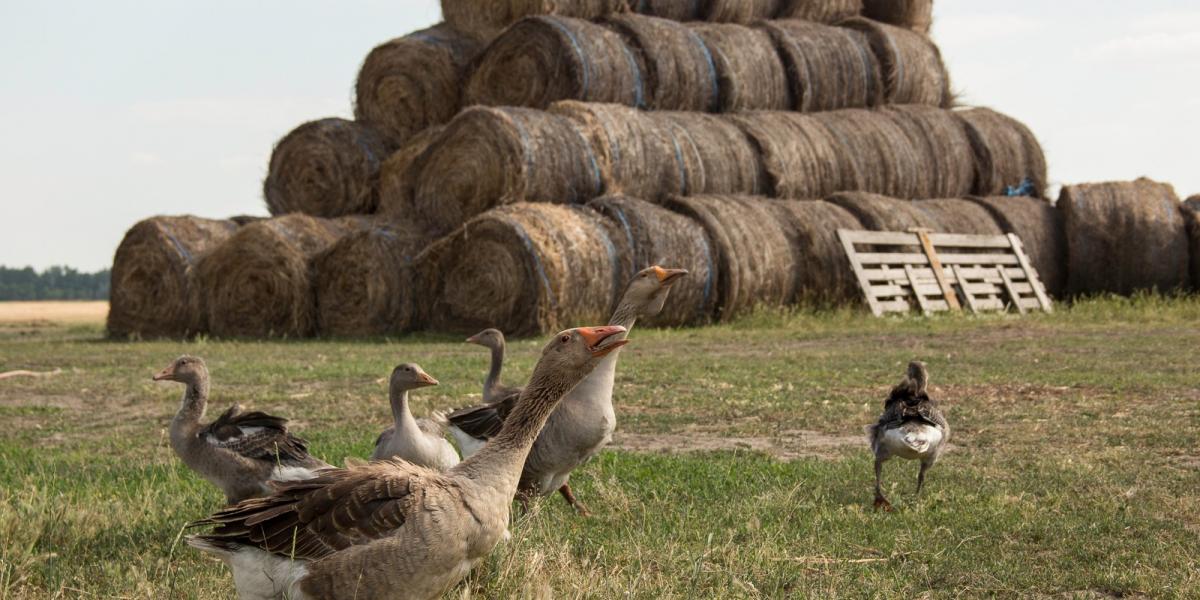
(537, 259)
(583, 60)
(715, 104)
(1025, 189)
(187, 256)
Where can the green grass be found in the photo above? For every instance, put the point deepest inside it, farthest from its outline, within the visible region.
(1074, 471)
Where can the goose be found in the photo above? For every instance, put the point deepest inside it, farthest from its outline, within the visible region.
(392, 529)
(584, 422)
(419, 441)
(240, 452)
(493, 340)
(911, 427)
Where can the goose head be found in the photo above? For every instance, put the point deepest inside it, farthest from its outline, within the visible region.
(488, 338)
(410, 376)
(573, 353)
(185, 369)
(917, 377)
(648, 291)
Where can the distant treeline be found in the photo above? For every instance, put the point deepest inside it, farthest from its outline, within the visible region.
(55, 283)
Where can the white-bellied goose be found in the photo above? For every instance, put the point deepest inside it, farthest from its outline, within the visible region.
(911, 427)
(392, 529)
(419, 441)
(240, 452)
(585, 421)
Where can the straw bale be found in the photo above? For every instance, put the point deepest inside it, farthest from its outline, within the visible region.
(942, 145)
(1006, 153)
(955, 215)
(799, 154)
(912, 64)
(827, 67)
(750, 73)
(1191, 217)
(877, 155)
(916, 15)
(325, 168)
(820, 268)
(717, 156)
(485, 18)
(397, 174)
(1040, 228)
(819, 11)
(677, 69)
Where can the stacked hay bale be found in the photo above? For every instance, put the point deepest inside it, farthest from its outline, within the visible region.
(154, 292)
(1191, 215)
(1040, 228)
(916, 15)
(820, 270)
(1009, 160)
(325, 168)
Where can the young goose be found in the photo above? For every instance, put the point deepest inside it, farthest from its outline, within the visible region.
(419, 441)
(493, 340)
(392, 529)
(240, 452)
(585, 421)
(911, 427)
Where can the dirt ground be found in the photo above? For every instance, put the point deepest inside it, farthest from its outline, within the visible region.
(53, 311)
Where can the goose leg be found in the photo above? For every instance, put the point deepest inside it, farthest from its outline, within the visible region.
(569, 496)
(921, 475)
(880, 501)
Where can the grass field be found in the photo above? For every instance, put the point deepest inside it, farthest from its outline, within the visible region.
(740, 469)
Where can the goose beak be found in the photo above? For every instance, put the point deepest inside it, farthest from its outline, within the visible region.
(473, 339)
(668, 277)
(164, 374)
(427, 379)
(599, 339)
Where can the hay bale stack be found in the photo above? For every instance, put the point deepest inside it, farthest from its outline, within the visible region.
(411, 83)
(750, 74)
(916, 15)
(1191, 217)
(364, 281)
(493, 156)
(912, 64)
(877, 155)
(676, 10)
(754, 258)
(820, 269)
(153, 291)
(881, 213)
(1040, 228)
(827, 67)
(800, 156)
(677, 69)
(257, 283)
(542, 60)
(485, 18)
(1123, 237)
(941, 143)
(325, 168)
(1007, 155)
(955, 215)
(525, 269)
(716, 155)
(741, 11)
(647, 235)
(398, 173)
(820, 11)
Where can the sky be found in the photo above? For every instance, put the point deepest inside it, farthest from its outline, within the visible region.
(119, 110)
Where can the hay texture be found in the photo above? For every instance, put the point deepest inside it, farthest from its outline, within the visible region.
(940, 141)
(754, 258)
(325, 168)
(916, 15)
(912, 64)
(257, 284)
(882, 213)
(493, 156)
(153, 291)
(876, 154)
(677, 69)
(1007, 155)
(399, 171)
(364, 281)
(485, 18)
(799, 155)
(524, 269)
(1123, 237)
(1191, 217)
(716, 156)
(827, 67)
(646, 235)
(955, 215)
(411, 83)
(819, 11)
(750, 73)
(541, 60)
(820, 269)
(1040, 228)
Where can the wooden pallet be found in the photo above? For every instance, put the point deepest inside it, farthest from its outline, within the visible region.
(937, 272)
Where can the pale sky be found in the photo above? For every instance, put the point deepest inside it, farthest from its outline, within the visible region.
(114, 111)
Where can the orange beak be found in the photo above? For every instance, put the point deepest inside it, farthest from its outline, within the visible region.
(599, 339)
(427, 379)
(165, 373)
(669, 276)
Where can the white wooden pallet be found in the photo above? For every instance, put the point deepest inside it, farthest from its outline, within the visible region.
(936, 272)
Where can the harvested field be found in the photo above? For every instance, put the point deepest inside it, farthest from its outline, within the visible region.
(54, 311)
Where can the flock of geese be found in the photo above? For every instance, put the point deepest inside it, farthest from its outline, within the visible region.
(415, 520)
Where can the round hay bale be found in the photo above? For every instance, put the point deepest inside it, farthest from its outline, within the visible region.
(754, 258)
(411, 83)
(541, 60)
(800, 156)
(882, 213)
(1191, 218)
(827, 67)
(493, 156)
(876, 154)
(750, 74)
(487, 17)
(364, 281)
(398, 173)
(820, 269)
(257, 283)
(153, 291)
(941, 142)
(325, 168)
(955, 215)
(1007, 155)
(676, 10)
(1040, 228)
(912, 64)
(676, 66)
(1123, 237)
(651, 235)
(741, 11)
(525, 269)
(916, 15)
(716, 155)
(820, 11)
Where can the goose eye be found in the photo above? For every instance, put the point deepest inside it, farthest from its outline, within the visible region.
(564, 338)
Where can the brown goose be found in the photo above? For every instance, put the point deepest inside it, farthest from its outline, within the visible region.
(419, 441)
(585, 422)
(911, 427)
(392, 529)
(240, 452)
(493, 340)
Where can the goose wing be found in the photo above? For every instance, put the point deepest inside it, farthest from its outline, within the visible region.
(484, 421)
(255, 435)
